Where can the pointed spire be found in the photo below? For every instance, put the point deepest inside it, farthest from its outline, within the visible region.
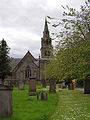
(46, 26)
(46, 31)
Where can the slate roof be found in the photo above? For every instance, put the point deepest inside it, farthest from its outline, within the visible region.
(14, 62)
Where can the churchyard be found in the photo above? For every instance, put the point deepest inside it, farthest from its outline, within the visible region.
(56, 86)
(62, 105)
(27, 107)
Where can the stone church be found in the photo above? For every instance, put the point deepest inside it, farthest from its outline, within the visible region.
(28, 66)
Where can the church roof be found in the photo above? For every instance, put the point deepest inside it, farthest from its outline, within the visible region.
(17, 61)
(14, 62)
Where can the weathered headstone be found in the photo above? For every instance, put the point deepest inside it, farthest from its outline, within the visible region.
(6, 106)
(32, 86)
(52, 88)
(42, 95)
(21, 85)
(87, 85)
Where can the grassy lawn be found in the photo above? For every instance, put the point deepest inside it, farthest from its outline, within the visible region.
(28, 108)
(72, 105)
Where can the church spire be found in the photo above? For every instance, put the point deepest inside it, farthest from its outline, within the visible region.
(46, 31)
(46, 42)
(46, 26)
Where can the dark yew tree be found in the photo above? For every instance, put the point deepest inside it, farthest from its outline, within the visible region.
(4, 60)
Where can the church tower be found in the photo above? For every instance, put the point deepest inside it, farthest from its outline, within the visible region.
(46, 43)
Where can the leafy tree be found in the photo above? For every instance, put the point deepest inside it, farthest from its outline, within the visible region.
(72, 52)
(4, 60)
(74, 26)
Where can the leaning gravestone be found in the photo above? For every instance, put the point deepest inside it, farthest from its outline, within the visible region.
(52, 88)
(21, 85)
(6, 106)
(32, 86)
(87, 85)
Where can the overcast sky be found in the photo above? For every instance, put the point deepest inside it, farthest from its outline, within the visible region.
(22, 22)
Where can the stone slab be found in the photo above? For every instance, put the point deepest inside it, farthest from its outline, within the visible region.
(32, 86)
(6, 103)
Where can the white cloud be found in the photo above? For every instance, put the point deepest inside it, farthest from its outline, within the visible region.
(22, 22)
(20, 41)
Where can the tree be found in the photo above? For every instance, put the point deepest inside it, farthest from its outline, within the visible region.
(74, 25)
(72, 52)
(4, 60)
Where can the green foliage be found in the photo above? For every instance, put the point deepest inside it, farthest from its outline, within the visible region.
(4, 60)
(72, 52)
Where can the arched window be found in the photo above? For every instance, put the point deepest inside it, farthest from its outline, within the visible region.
(27, 72)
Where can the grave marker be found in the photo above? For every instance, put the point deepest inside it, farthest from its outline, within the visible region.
(52, 88)
(87, 85)
(21, 85)
(6, 106)
(32, 86)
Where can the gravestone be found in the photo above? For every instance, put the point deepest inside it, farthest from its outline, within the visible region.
(52, 88)
(6, 106)
(21, 85)
(42, 95)
(87, 85)
(32, 86)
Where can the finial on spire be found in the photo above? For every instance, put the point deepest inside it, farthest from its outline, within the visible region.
(46, 25)
(45, 19)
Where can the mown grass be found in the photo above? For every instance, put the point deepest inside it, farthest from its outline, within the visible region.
(72, 105)
(29, 108)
